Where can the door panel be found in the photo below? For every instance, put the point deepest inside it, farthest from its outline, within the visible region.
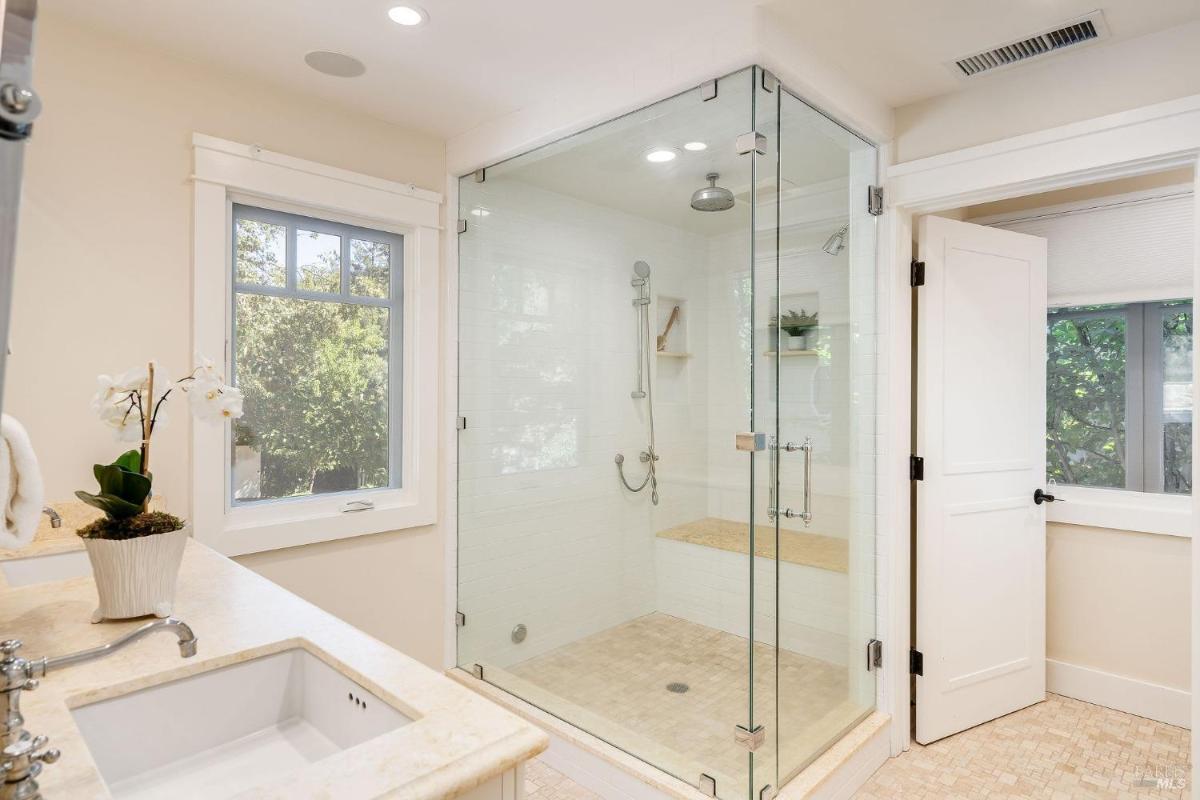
(981, 557)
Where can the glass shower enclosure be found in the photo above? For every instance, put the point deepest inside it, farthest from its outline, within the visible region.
(666, 475)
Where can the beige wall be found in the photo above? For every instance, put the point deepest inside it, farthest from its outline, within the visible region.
(1091, 82)
(1119, 602)
(103, 281)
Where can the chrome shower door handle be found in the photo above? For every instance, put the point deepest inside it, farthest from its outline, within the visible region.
(772, 478)
(806, 514)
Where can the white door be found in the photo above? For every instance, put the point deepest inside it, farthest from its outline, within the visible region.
(981, 430)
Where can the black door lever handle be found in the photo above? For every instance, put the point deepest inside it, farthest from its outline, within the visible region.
(1040, 497)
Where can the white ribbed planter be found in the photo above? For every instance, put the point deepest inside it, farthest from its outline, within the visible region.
(136, 577)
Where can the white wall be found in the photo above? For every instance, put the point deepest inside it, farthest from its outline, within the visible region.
(1089, 82)
(103, 282)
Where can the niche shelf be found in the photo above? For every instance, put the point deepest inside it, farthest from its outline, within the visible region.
(668, 354)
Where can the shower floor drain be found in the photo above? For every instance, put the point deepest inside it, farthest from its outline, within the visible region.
(677, 688)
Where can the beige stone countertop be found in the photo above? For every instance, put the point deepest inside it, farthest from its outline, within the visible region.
(458, 740)
(50, 540)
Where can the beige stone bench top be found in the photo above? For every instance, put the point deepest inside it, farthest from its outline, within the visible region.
(809, 549)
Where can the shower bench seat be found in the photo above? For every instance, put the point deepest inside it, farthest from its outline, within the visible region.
(796, 547)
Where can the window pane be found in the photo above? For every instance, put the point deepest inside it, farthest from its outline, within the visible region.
(370, 268)
(318, 262)
(1085, 390)
(315, 378)
(261, 253)
(1177, 399)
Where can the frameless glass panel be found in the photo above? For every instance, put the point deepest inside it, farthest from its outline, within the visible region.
(318, 261)
(370, 268)
(260, 253)
(606, 336)
(316, 385)
(823, 318)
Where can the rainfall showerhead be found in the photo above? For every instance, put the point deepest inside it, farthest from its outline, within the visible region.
(834, 244)
(712, 197)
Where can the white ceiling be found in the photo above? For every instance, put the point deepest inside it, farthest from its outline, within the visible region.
(477, 60)
(897, 49)
(473, 61)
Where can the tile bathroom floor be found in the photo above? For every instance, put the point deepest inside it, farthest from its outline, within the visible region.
(1061, 749)
(614, 685)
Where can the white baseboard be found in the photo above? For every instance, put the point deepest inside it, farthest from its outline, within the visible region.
(1160, 703)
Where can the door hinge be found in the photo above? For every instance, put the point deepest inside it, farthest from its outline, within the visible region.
(462, 226)
(769, 82)
(874, 655)
(460, 423)
(916, 274)
(477, 671)
(916, 468)
(916, 662)
(707, 785)
(750, 739)
(460, 619)
(750, 441)
(752, 142)
(480, 175)
(874, 200)
(708, 90)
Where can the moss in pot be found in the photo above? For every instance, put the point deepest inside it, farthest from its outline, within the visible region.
(136, 552)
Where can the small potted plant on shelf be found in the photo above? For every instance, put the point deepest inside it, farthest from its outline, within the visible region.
(135, 551)
(798, 327)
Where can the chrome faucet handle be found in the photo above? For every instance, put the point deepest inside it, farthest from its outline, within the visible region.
(8, 647)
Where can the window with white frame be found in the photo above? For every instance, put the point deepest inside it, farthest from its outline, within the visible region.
(316, 350)
(1119, 396)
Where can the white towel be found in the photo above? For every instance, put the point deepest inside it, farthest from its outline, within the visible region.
(20, 485)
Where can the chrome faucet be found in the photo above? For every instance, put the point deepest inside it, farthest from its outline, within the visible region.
(20, 759)
(55, 519)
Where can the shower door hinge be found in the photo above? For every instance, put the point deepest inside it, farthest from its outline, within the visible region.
(707, 785)
(874, 655)
(916, 274)
(480, 175)
(916, 468)
(708, 90)
(916, 662)
(460, 619)
(750, 441)
(477, 671)
(460, 423)
(750, 739)
(752, 142)
(767, 793)
(874, 200)
(769, 82)
(462, 226)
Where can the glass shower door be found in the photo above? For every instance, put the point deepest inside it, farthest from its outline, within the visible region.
(821, 380)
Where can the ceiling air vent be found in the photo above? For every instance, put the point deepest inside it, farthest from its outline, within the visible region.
(1087, 29)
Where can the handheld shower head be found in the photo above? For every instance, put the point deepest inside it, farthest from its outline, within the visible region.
(834, 244)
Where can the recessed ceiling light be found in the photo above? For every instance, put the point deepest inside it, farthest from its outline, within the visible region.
(480, 212)
(660, 156)
(407, 15)
(695, 147)
(339, 65)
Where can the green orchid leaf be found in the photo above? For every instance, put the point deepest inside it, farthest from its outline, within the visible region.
(131, 461)
(111, 505)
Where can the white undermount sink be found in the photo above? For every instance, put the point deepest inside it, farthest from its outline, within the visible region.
(218, 733)
(43, 569)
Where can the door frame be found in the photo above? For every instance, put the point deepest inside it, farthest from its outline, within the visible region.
(1144, 140)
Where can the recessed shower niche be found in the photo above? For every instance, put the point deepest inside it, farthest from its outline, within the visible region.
(609, 496)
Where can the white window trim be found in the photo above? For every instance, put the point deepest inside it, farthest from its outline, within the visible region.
(225, 172)
(1119, 509)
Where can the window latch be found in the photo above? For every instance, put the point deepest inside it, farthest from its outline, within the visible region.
(353, 506)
